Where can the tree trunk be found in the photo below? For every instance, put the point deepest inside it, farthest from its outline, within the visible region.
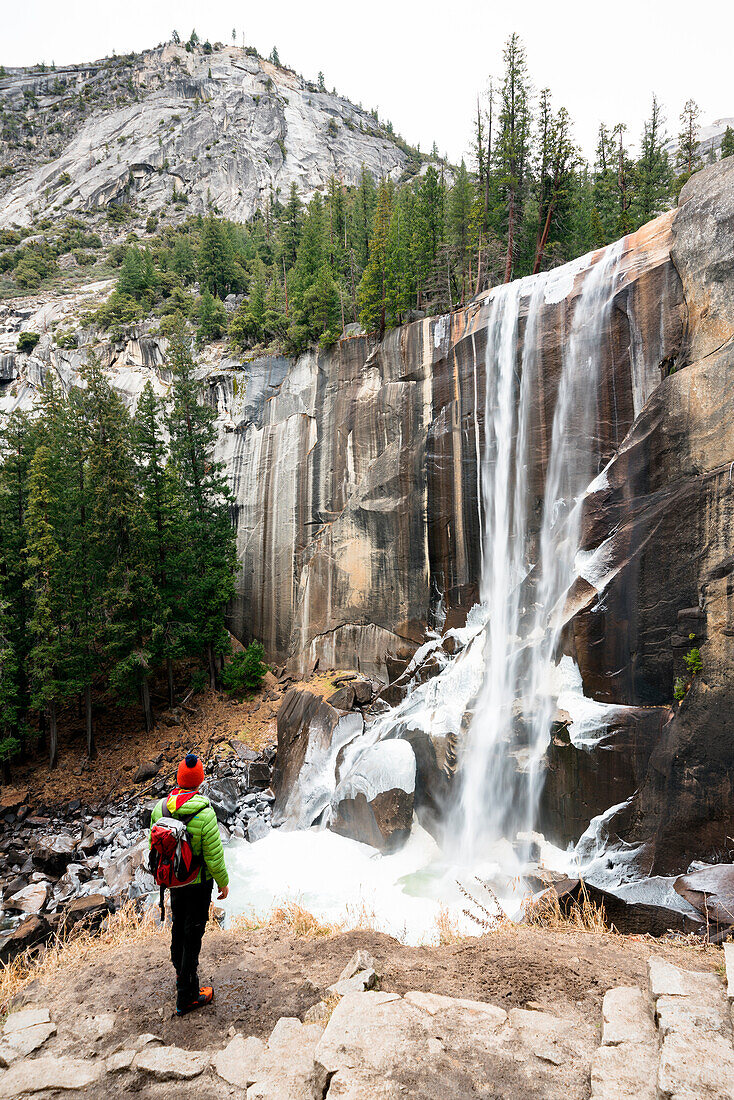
(543, 240)
(212, 668)
(171, 692)
(91, 747)
(53, 736)
(6, 771)
(510, 238)
(145, 700)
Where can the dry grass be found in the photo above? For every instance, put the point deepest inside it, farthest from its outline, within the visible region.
(447, 928)
(583, 915)
(74, 948)
(289, 916)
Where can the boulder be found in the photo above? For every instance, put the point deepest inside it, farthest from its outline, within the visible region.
(628, 917)
(148, 770)
(28, 1029)
(171, 1063)
(239, 1061)
(32, 932)
(224, 795)
(374, 801)
(343, 698)
(49, 1073)
(287, 1069)
(52, 854)
(31, 899)
(90, 910)
(710, 890)
(311, 734)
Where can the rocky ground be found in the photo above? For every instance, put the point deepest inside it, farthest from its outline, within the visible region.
(517, 1014)
(73, 842)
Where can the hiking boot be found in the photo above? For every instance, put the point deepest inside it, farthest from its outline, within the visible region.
(188, 1004)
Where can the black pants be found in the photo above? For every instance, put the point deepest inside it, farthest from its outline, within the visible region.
(189, 914)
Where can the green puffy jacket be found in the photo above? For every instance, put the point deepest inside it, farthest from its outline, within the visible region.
(204, 833)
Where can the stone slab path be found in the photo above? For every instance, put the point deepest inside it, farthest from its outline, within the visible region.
(669, 1041)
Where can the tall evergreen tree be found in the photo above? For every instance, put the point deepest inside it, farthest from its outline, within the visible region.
(205, 531)
(687, 156)
(513, 142)
(373, 287)
(652, 176)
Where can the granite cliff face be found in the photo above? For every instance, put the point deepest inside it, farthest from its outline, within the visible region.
(356, 478)
(223, 129)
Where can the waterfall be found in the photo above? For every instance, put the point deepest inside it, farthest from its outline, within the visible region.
(524, 599)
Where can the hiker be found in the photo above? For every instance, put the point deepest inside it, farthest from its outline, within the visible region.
(187, 856)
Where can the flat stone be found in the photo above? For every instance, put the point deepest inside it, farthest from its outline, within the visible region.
(669, 980)
(360, 960)
(239, 1061)
(120, 1061)
(24, 1018)
(365, 979)
(352, 1085)
(701, 1067)
(433, 1003)
(171, 1063)
(47, 1073)
(30, 1038)
(626, 1017)
(691, 1015)
(318, 1014)
(624, 1072)
(146, 1039)
(287, 1069)
(729, 961)
(8, 1055)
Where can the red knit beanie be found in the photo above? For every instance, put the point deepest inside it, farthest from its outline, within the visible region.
(190, 774)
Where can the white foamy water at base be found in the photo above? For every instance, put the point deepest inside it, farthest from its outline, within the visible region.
(342, 881)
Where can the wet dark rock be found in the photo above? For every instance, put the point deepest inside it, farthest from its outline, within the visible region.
(224, 796)
(710, 890)
(343, 698)
(53, 853)
(629, 918)
(148, 770)
(363, 692)
(384, 822)
(91, 910)
(32, 932)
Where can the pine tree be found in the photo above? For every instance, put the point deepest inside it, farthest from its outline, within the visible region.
(727, 143)
(687, 156)
(205, 530)
(513, 142)
(373, 287)
(216, 261)
(158, 551)
(291, 227)
(460, 201)
(556, 169)
(212, 317)
(17, 443)
(652, 176)
(46, 623)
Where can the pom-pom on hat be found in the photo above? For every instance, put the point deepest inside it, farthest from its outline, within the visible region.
(190, 774)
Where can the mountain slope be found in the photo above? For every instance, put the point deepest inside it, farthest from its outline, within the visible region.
(225, 128)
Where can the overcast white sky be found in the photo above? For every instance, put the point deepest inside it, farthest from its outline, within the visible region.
(422, 63)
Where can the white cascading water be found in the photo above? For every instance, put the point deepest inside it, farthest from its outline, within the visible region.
(525, 599)
(507, 673)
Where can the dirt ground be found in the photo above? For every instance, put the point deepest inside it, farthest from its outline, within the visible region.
(208, 723)
(267, 973)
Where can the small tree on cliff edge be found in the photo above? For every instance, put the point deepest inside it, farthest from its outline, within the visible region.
(205, 541)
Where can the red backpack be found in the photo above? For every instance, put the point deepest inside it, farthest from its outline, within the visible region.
(172, 861)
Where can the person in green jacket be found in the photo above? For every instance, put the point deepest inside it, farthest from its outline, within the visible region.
(190, 903)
